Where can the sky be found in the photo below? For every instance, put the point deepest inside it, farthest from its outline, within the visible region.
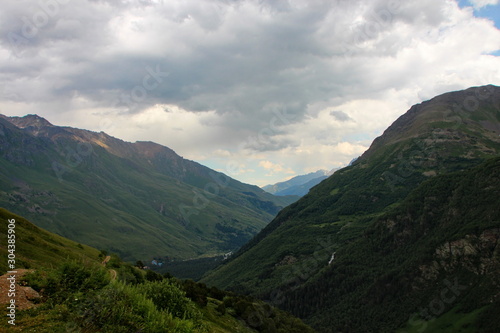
(260, 90)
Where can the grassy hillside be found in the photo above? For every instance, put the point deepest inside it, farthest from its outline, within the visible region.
(39, 248)
(80, 294)
(294, 258)
(140, 200)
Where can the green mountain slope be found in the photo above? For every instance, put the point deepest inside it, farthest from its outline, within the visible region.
(436, 253)
(140, 200)
(79, 292)
(295, 259)
(35, 247)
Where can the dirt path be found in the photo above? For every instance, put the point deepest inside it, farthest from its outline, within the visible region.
(105, 261)
(24, 294)
(113, 272)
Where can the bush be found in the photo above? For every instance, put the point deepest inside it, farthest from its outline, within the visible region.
(153, 276)
(130, 275)
(70, 279)
(110, 311)
(167, 296)
(197, 292)
(121, 308)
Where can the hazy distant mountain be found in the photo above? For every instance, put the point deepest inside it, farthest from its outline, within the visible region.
(298, 185)
(352, 161)
(140, 200)
(404, 239)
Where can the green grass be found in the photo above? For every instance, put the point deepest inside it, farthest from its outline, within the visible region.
(36, 247)
(450, 322)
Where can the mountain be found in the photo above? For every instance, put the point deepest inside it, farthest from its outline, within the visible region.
(406, 238)
(70, 287)
(298, 185)
(139, 200)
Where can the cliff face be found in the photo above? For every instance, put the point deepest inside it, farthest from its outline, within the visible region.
(478, 254)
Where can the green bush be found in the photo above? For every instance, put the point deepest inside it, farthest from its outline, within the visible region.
(197, 292)
(123, 308)
(130, 274)
(153, 276)
(68, 281)
(167, 296)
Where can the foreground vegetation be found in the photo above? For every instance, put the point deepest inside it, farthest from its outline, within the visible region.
(82, 292)
(82, 297)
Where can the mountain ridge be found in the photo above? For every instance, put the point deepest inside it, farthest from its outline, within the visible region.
(295, 257)
(133, 191)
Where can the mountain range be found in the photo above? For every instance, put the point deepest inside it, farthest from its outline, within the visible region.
(299, 185)
(139, 200)
(406, 239)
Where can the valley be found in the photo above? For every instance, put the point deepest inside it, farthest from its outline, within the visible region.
(404, 239)
(139, 200)
(250, 166)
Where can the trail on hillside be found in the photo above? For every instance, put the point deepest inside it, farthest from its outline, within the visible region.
(105, 261)
(113, 272)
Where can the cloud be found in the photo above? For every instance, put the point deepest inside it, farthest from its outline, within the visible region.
(275, 168)
(340, 116)
(221, 153)
(257, 80)
(478, 4)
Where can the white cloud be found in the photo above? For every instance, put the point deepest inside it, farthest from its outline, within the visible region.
(478, 4)
(275, 167)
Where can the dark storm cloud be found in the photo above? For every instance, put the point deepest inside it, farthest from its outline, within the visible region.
(226, 56)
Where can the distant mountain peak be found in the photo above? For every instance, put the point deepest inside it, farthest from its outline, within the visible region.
(298, 185)
(30, 120)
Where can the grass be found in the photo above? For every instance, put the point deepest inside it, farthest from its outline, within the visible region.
(36, 247)
(452, 321)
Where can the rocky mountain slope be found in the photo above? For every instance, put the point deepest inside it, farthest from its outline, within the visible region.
(140, 200)
(404, 238)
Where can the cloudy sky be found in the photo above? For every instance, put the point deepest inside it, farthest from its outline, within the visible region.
(261, 90)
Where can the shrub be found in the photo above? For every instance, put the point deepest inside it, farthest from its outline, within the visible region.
(70, 279)
(197, 292)
(153, 276)
(167, 296)
(123, 308)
